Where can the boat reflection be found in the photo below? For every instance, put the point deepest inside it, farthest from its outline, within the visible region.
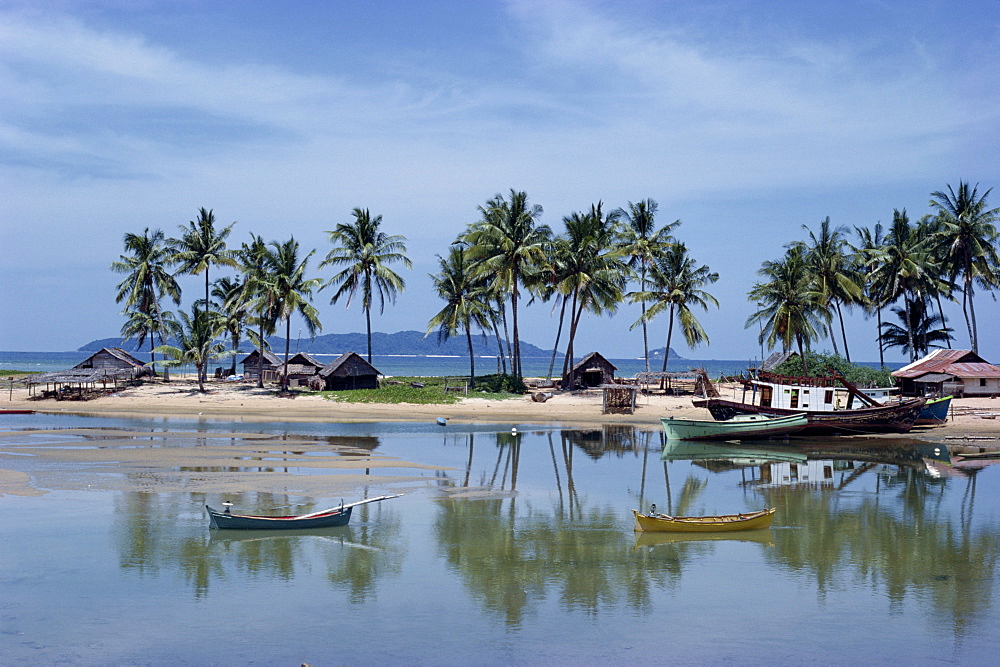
(649, 540)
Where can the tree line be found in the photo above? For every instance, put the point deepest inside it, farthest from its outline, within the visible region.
(598, 261)
(917, 266)
(503, 259)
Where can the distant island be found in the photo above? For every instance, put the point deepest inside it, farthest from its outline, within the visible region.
(411, 343)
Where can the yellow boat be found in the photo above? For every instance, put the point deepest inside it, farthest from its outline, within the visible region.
(703, 524)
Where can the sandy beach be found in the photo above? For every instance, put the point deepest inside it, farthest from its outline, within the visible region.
(971, 416)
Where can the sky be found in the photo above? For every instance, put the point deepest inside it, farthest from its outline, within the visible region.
(745, 120)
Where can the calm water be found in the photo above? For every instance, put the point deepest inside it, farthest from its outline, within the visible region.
(522, 552)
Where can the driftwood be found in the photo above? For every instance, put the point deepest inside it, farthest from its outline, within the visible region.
(541, 396)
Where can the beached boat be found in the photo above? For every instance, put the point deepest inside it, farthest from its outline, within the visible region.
(334, 516)
(740, 427)
(15, 411)
(934, 412)
(831, 404)
(703, 524)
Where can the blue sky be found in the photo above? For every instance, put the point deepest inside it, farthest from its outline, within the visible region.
(745, 120)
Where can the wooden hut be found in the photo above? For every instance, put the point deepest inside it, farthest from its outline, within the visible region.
(349, 371)
(592, 371)
(251, 365)
(301, 368)
(114, 360)
(955, 372)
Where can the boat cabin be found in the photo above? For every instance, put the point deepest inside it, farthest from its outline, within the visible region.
(804, 393)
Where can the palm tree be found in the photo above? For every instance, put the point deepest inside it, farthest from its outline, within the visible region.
(593, 273)
(968, 230)
(366, 253)
(232, 307)
(201, 246)
(253, 265)
(923, 330)
(789, 307)
(287, 288)
(505, 244)
(676, 283)
(466, 302)
(835, 281)
(905, 268)
(870, 241)
(197, 342)
(643, 244)
(147, 280)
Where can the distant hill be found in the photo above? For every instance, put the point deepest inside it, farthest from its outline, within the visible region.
(401, 342)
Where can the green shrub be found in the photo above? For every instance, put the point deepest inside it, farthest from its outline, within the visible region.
(821, 364)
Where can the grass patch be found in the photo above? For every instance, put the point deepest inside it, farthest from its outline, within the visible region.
(401, 390)
(14, 374)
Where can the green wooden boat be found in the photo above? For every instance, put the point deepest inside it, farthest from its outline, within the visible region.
(740, 427)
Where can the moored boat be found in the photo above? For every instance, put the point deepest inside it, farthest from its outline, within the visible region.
(934, 412)
(334, 516)
(831, 404)
(739, 427)
(703, 524)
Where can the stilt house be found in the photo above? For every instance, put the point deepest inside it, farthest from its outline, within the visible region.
(252, 367)
(114, 361)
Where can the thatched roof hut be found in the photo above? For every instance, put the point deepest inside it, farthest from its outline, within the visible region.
(349, 371)
(251, 365)
(301, 367)
(591, 371)
(112, 360)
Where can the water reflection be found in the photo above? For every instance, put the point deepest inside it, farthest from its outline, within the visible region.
(524, 520)
(354, 556)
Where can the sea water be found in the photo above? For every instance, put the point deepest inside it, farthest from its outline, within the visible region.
(514, 545)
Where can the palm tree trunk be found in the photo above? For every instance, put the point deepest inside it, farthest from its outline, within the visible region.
(944, 322)
(881, 352)
(670, 333)
(506, 337)
(833, 336)
(802, 355)
(645, 330)
(516, 361)
(843, 333)
(472, 358)
(909, 329)
(568, 359)
(368, 326)
(965, 313)
(260, 357)
(972, 314)
(555, 348)
(500, 355)
(288, 341)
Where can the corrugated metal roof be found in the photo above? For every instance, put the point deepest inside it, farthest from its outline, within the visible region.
(940, 361)
(975, 370)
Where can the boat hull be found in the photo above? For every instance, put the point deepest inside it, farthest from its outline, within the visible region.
(335, 517)
(895, 418)
(934, 412)
(704, 524)
(695, 429)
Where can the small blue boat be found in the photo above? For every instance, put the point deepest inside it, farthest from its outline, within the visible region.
(934, 412)
(334, 516)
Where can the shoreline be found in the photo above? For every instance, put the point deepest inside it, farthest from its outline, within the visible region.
(244, 402)
(35, 467)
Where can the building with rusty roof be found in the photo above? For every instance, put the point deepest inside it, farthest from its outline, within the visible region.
(955, 372)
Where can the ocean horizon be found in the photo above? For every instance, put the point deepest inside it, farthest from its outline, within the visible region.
(419, 365)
